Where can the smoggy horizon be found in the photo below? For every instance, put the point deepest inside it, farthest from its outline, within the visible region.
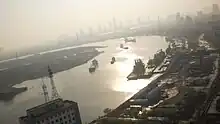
(26, 23)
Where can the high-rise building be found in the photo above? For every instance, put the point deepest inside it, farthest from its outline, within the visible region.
(139, 20)
(114, 23)
(120, 24)
(215, 9)
(199, 14)
(90, 31)
(81, 32)
(54, 111)
(215, 12)
(188, 20)
(178, 17)
(77, 36)
(110, 26)
(99, 29)
(57, 111)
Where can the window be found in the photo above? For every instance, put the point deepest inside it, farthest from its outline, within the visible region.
(64, 117)
(74, 118)
(61, 119)
(42, 121)
(69, 116)
(56, 120)
(65, 122)
(52, 122)
(70, 121)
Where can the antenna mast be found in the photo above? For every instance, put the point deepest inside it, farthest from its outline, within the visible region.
(54, 94)
(44, 87)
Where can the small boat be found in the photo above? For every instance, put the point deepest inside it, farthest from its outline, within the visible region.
(129, 39)
(113, 60)
(125, 48)
(94, 66)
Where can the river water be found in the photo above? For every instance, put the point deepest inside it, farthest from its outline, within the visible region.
(106, 88)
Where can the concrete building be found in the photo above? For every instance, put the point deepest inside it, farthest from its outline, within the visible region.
(215, 9)
(58, 111)
(215, 29)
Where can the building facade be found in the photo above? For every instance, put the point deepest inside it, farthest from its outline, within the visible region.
(57, 111)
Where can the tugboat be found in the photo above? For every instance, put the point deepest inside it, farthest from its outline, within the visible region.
(129, 39)
(93, 66)
(113, 60)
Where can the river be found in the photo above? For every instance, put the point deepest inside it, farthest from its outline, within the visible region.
(106, 88)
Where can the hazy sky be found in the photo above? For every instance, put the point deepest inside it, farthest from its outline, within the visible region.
(35, 21)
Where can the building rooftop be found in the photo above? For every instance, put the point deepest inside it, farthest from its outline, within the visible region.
(49, 108)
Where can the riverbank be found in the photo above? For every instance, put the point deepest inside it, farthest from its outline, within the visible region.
(176, 96)
(33, 67)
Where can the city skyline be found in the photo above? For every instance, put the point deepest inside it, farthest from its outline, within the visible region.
(30, 23)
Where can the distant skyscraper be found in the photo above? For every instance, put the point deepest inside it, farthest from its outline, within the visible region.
(188, 20)
(148, 18)
(104, 28)
(90, 31)
(99, 29)
(215, 12)
(120, 24)
(81, 32)
(171, 18)
(58, 111)
(178, 17)
(215, 9)
(77, 36)
(110, 26)
(199, 14)
(139, 20)
(114, 23)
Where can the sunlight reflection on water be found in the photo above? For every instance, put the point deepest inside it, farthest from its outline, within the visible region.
(107, 87)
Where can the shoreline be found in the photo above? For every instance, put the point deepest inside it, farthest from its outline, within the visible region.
(36, 67)
(121, 113)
